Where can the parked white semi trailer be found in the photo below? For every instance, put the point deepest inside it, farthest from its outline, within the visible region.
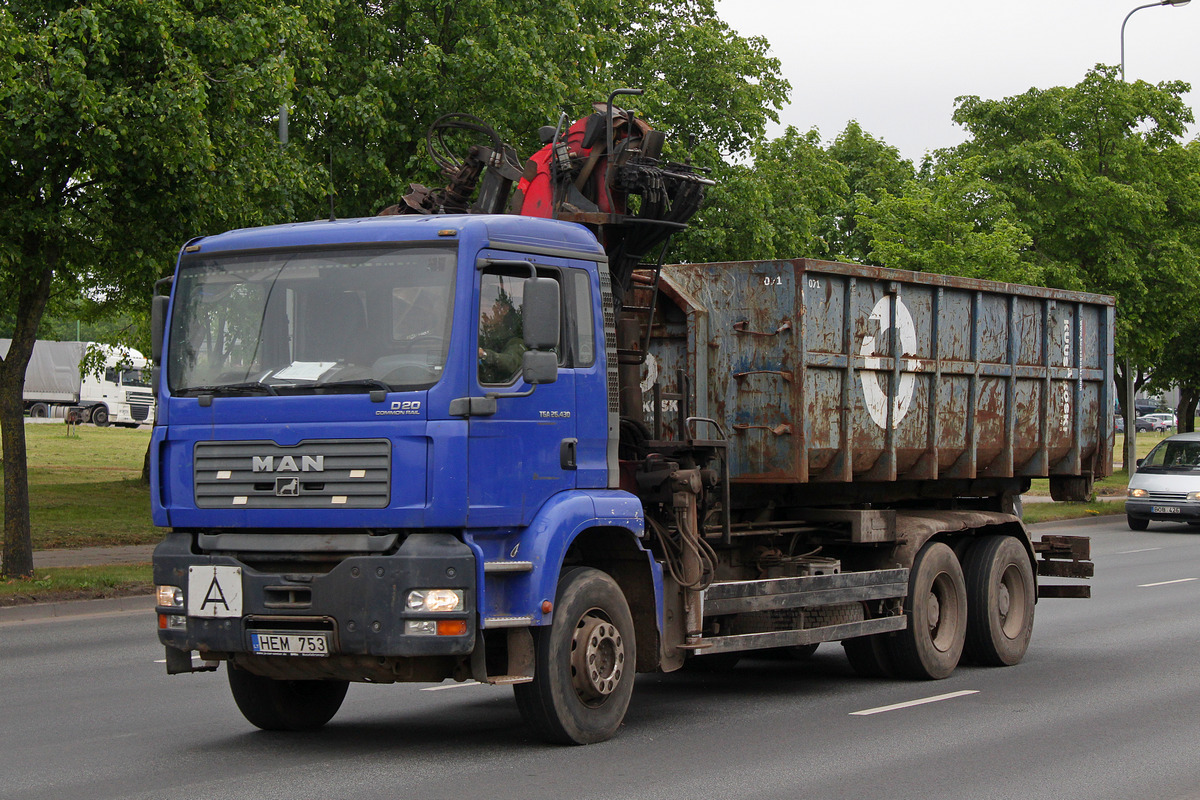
(56, 385)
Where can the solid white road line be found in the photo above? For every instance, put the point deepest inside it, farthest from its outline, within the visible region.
(1143, 550)
(911, 703)
(1166, 583)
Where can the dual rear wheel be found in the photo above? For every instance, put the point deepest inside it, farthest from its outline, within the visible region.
(979, 610)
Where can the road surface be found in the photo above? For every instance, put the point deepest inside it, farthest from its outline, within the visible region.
(1105, 705)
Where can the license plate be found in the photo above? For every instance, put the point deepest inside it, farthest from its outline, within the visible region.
(290, 643)
(1165, 510)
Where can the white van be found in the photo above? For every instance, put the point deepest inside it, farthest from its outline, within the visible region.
(1166, 485)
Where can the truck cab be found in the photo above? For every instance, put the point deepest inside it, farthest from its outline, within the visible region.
(358, 416)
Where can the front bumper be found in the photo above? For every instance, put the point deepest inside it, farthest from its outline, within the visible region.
(360, 602)
(1166, 510)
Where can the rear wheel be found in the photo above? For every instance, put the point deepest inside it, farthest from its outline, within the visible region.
(1000, 598)
(275, 705)
(39, 411)
(584, 663)
(936, 607)
(1137, 523)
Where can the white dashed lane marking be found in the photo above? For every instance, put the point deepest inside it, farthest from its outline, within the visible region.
(1166, 583)
(896, 707)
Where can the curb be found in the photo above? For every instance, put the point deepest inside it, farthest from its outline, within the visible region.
(41, 612)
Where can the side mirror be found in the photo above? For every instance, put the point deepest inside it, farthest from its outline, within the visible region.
(541, 313)
(158, 324)
(539, 366)
(1138, 463)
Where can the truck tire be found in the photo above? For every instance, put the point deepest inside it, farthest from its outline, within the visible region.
(1137, 523)
(584, 662)
(936, 607)
(868, 656)
(100, 416)
(39, 411)
(285, 705)
(1000, 601)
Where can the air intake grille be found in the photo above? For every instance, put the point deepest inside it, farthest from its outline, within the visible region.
(139, 404)
(316, 474)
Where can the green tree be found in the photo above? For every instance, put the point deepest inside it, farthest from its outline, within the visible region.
(771, 208)
(126, 126)
(874, 170)
(516, 65)
(1098, 177)
(952, 222)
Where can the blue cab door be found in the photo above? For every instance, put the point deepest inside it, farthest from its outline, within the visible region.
(523, 454)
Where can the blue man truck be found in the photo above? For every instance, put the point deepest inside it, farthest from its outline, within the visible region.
(453, 443)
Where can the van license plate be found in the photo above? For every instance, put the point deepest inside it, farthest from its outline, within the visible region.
(1165, 510)
(290, 643)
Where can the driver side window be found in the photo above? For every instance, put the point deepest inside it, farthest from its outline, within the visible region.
(501, 345)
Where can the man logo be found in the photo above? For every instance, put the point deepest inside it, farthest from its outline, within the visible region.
(287, 487)
(287, 464)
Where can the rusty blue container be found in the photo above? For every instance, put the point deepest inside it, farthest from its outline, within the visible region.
(820, 372)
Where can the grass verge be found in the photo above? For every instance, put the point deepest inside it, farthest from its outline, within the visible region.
(78, 583)
(1053, 512)
(85, 490)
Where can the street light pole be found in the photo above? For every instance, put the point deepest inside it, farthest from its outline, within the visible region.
(1131, 13)
(1130, 414)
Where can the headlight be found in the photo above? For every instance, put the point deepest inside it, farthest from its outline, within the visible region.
(435, 600)
(1193, 496)
(170, 596)
(1137, 492)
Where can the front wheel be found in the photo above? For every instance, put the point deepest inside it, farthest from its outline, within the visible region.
(1137, 523)
(100, 416)
(584, 662)
(1000, 597)
(275, 705)
(936, 607)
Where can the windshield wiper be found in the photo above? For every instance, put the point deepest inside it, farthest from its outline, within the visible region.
(249, 387)
(359, 383)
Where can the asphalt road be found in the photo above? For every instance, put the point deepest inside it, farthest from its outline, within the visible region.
(1105, 705)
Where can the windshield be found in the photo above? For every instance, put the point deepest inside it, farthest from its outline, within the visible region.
(135, 377)
(1172, 456)
(305, 322)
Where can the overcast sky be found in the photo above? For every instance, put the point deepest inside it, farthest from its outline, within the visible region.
(897, 65)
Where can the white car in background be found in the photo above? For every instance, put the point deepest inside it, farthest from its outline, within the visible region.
(1166, 485)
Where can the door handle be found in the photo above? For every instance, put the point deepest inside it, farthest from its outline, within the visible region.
(566, 453)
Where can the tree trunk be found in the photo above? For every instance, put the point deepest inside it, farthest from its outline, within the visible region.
(1188, 399)
(146, 464)
(18, 540)
(33, 290)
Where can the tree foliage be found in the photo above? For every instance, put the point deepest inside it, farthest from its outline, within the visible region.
(952, 222)
(130, 126)
(1098, 177)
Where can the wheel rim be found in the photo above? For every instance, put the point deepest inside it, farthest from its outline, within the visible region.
(597, 658)
(942, 612)
(1011, 602)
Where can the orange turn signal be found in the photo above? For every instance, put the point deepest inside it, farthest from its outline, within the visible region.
(451, 627)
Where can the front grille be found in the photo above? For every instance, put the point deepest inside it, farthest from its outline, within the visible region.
(351, 473)
(139, 405)
(1174, 496)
